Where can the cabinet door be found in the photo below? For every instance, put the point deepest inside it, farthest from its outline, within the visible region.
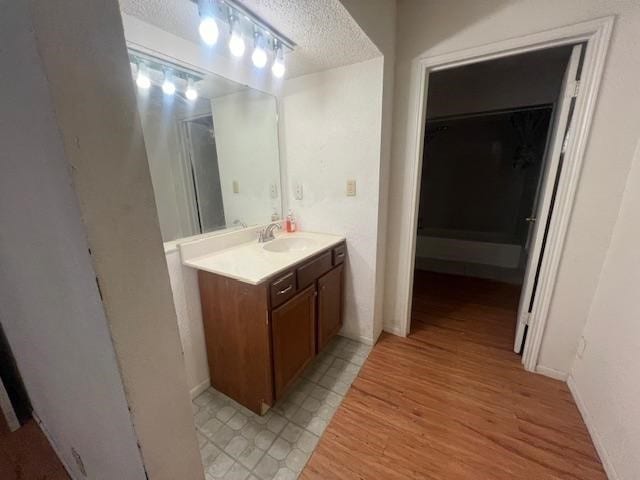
(294, 339)
(329, 305)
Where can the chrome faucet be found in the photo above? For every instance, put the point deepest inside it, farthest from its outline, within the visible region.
(266, 234)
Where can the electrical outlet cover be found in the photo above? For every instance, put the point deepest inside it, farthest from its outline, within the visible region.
(299, 194)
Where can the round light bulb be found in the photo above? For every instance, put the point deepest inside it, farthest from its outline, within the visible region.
(142, 78)
(191, 93)
(259, 57)
(236, 45)
(278, 68)
(168, 87)
(208, 30)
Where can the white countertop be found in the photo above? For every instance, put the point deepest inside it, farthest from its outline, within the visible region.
(250, 263)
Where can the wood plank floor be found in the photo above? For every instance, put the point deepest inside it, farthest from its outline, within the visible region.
(452, 401)
(26, 455)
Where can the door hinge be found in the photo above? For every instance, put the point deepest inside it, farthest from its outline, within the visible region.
(566, 141)
(527, 319)
(576, 89)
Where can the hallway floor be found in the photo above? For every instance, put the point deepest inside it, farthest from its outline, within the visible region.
(26, 455)
(452, 400)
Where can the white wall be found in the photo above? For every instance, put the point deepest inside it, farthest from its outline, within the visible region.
(246, 131)
(330, 132)
(605, 378)
(433, 27)
(186, 298)
(377, 18)
(50, 306)
(85, 60)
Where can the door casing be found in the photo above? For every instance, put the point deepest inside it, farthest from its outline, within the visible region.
(596, 35)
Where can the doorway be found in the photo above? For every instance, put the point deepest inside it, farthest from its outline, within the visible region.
(203, 172)
(492, 153)
(595, 36)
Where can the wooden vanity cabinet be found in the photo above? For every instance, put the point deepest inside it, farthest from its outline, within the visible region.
(237, 336)
(293, 333)
(330, 288)
(260, 338)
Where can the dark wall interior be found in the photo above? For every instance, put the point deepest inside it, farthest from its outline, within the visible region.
(480, 174)
(13, 382)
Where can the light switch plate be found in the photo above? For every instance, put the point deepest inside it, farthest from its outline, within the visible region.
(298, 194)
(236, 186)
(351, 188)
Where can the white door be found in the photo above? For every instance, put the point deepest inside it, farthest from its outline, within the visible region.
(559, 134)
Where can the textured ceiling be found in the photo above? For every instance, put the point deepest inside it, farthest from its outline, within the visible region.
(325, 34)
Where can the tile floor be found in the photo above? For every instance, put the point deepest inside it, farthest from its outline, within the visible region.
(237, 444)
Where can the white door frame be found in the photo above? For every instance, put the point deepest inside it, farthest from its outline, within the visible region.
(596, 34)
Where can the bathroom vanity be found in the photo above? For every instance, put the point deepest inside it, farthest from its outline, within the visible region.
(268, 309)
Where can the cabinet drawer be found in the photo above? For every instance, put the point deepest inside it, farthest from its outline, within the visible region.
(339, 254)
(283, 288)
(309, 272)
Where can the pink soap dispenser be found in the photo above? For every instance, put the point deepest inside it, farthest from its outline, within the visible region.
(290, 223)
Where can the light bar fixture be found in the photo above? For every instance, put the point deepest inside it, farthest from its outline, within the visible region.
(191, 93)
(168, 87)
(242, 25)
(142, 78)
(259, 56)
(236, 42)
(278, 68)
(171, 78)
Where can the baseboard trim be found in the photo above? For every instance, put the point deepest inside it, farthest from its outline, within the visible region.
(357, 338)
(55, 448)
(198, 389)
(595, 437)
(393, 330)
(552, 373)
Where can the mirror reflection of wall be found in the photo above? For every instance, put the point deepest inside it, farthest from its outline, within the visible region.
(213, 157)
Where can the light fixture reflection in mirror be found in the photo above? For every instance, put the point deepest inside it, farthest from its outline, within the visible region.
(212, 147)
(142, 78)
(168, 87)
(191, 93)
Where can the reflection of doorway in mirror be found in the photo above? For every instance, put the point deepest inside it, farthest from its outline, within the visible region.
(202, 164)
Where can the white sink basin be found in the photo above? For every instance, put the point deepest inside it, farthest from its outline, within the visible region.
(292, 244)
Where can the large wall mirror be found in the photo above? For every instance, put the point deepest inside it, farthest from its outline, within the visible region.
(212, 146)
